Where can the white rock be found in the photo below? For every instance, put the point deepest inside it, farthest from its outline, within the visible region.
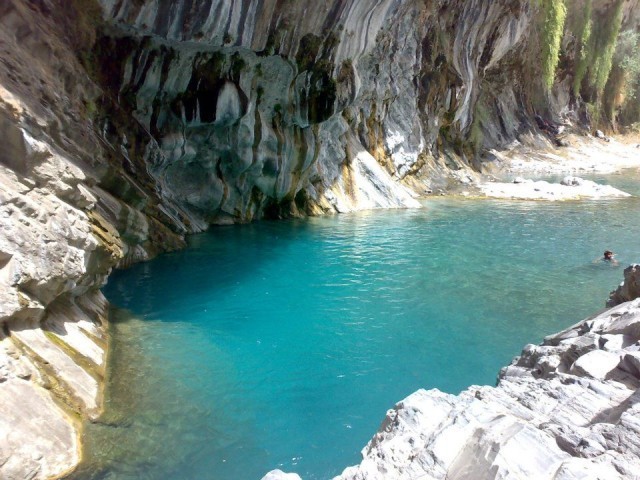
(280, 475)
(541, 190)
(572, 181)
(596, 364)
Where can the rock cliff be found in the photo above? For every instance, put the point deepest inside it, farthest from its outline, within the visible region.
(274, 108)
(127, 124)
(61, 233)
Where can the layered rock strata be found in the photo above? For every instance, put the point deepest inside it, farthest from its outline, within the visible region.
(566, 409)
(62, 230)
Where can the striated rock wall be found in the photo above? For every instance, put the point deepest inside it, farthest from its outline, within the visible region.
(276, 108)
(63, 229)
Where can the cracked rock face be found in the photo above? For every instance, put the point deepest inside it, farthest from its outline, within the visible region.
(628, 289)
(60, 236)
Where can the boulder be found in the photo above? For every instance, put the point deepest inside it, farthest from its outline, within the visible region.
(629, 289)
(572, 181)
(596, 364)
(280, 475)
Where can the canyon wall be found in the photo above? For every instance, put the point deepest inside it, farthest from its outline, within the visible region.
(278, 108)
(60, 236)
(128, 124)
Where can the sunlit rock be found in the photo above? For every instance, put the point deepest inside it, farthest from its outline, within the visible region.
(577, 422)
(629, 289)
(571, 188)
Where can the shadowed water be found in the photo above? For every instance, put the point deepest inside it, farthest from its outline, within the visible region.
(282, 344)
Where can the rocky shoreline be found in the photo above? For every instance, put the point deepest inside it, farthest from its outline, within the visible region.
(566, 409)
(129, 124)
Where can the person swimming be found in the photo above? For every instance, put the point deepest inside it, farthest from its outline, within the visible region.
(608, 256)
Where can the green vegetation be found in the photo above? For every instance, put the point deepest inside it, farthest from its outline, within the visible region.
(623, 93)
(593, 111)
(82, 19)
(627, 56)
(237, 66)
(91, 108)
(604, 47)
(308, 51)
(554, 14)
(583, 42)
(476, 134)
(606, 62)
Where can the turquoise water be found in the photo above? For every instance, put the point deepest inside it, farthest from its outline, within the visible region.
(282, 344)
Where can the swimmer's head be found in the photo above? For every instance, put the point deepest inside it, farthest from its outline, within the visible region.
(608, 254)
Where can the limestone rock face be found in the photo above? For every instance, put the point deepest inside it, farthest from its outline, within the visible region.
(60, 236)
(127, 124)
(565, 409)
(275, 108)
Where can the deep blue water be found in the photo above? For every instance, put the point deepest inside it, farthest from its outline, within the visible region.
(282, 344)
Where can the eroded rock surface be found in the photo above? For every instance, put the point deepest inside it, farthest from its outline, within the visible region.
(628, 289)
(64, 226)
(276, 108)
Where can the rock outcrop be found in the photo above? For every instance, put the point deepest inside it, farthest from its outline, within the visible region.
(61, 234)
(570, 188)
(629, 289)
(275, 108)
(566, 409)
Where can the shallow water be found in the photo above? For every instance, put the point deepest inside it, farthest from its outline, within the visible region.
(282, 344)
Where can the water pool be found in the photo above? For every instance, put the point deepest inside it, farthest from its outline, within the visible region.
(282, 344)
